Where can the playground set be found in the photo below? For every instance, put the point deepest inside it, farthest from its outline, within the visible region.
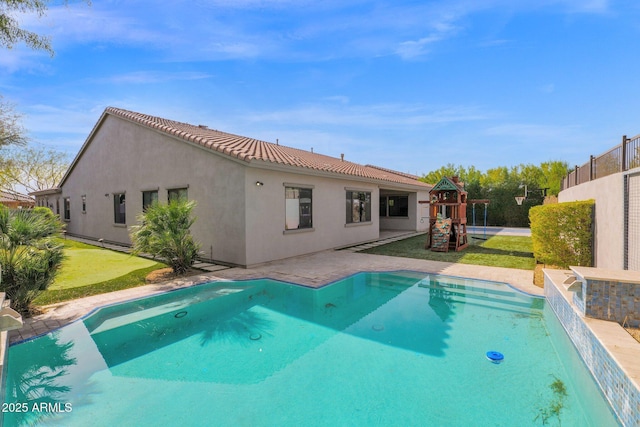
(448, 216)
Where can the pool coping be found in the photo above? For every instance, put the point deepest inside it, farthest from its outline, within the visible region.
(314, 270)
(203, 280)
(610, 353)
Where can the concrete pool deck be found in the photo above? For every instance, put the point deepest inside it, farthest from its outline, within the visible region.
(312, 270)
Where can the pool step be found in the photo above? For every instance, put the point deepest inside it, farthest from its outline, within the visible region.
(461, 287)
(113, 317)
(492, 297)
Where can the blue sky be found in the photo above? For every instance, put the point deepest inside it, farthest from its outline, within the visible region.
(408, 85)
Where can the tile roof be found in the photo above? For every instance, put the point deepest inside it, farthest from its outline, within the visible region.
(6, 196)
(408, 175)
(253, 150)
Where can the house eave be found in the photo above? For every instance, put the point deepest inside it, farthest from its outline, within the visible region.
(46, 192)
(258, 164)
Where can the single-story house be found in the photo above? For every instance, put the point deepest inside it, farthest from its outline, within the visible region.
(16, 200)
(256, 201)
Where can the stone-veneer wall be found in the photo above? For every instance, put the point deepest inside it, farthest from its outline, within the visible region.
(612, 300)
(617, 387)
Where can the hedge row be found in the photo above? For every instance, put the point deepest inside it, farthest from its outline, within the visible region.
(562, 233)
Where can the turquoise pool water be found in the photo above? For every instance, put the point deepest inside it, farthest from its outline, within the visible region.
(388, 349)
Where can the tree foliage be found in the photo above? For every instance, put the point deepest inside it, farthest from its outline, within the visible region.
(30, 254)
(33, 168)
(164, 232)
(501, 185)
(11, 33)
(11, 130)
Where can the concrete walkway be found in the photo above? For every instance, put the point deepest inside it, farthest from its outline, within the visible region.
(313, 270)
(385, 237)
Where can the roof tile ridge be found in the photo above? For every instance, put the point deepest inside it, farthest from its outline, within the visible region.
(403, 174)
(136, 117)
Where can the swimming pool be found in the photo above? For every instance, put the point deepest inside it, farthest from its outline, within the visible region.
(400, 348)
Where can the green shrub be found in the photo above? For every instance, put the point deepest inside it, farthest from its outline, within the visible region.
(29, 254)
(562, 233)
(41, 210)
(164, 232)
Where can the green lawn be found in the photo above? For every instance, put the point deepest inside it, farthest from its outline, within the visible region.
(90, 270)
(497, 251)
(85, 265)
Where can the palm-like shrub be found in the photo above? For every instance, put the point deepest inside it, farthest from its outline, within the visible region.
(30, 254)
(164, 233)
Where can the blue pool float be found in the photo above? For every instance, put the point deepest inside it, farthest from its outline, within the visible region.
(495, 356)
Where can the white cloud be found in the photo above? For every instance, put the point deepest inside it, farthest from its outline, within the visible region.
(81, 23)
(22, 58)
(412, 49)
(585, 6)
(275, 29)
(371, 116)
(41, 119)
(527, 132)
(147, 77)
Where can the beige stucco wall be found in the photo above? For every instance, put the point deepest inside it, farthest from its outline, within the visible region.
(265, 216)
(237, 222)
(608, 193)
(125, 157)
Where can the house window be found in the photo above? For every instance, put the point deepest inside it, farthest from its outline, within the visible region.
(358, 206)
(119, 209)
(298, 208)
(394, 206)
(58, 207)
(67, 208)
(84, 203)
(177, 194)
(149, 198)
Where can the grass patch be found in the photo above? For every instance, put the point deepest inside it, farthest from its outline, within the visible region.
(129, 280)
(496, 251)
(87, 265)
(91, 270)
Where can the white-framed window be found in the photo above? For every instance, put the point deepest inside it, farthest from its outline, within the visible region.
(298, 208)
(119, 208)
(358, 206)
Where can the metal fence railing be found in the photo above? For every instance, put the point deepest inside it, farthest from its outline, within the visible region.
(620, 158)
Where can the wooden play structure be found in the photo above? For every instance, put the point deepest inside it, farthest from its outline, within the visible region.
(447, 216)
